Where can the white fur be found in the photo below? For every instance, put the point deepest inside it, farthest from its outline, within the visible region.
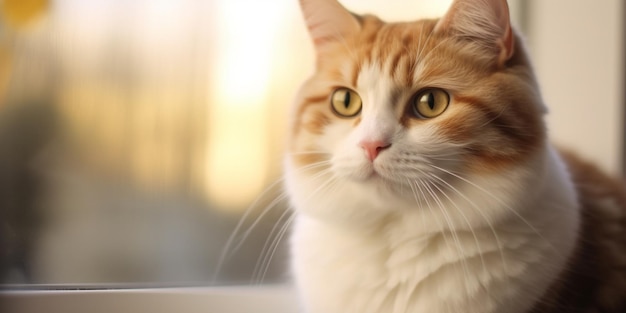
(367, 240)
(402, 262)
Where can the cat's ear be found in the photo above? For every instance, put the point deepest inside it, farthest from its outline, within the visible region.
(485, 22)
(328, 21)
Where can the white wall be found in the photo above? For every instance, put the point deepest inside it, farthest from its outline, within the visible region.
(577, 50)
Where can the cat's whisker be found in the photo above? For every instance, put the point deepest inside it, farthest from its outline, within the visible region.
(270, 238)
(282, 196)
(321, 174)
(497, 116)
(268, 255)
(229, 250)
(434, 159)
(422, 46)
(311, 152)
(445, 153)
(450, 225)
(274, 247)
(312, 166)
(470, 226)
(483, 215)
(428, 54)
(418, 200)
(442, 159)
(269, 249)
(500, 201)
(419, 184)
(226, 252)
(452, 229)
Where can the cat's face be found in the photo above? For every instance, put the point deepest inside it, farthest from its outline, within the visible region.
(398, 111)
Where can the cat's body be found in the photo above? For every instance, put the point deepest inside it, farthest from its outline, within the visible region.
(423, 180)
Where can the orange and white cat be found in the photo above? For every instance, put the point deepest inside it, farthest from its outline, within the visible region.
(423, 180)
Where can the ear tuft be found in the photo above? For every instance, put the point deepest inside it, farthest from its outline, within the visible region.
(328, 21)
(485, 22)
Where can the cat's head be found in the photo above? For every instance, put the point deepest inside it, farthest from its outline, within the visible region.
(398, 111)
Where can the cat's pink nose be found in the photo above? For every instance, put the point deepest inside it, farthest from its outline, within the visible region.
(373, 148)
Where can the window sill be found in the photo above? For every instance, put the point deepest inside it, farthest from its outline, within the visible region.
(276, 299)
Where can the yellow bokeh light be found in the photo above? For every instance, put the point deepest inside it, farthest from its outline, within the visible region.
(238, 154)
(5, 69)
(20, 13)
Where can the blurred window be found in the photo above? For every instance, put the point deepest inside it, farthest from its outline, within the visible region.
(137, 136)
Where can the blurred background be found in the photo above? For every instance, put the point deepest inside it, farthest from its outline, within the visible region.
(135, 135)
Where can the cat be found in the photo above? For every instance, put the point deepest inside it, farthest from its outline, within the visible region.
(422, 178)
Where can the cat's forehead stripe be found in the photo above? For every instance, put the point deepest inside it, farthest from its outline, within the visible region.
(413, 55)
(397, 48)
(399, 67)
(356, 68)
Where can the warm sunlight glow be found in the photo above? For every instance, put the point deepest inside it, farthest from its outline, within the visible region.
(239, 116)
(5, 68)
(238, 137)
(20, 13)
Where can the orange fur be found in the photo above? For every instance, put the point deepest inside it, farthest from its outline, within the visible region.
(506, 133)
(495, 129)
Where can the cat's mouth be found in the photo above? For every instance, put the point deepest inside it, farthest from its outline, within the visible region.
(365, 173)
(375, 174)
(380, 174)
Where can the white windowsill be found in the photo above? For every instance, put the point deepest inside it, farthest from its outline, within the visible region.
(274, 299)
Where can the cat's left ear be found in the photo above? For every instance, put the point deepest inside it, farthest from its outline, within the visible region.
(485, 22)
(328, 21)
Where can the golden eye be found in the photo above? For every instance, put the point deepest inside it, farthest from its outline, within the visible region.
(345, 102)
(430, 103)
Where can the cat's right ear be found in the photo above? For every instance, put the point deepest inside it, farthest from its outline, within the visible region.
(485, 22)
(328, 22)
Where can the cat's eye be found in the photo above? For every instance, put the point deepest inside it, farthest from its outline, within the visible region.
(430, 103)
(346, 102)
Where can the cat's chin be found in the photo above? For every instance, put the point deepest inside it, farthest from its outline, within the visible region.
(368, 175)
(372, 175)
(378, 183)
(372, 179)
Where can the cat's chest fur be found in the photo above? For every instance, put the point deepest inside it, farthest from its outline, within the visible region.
(397, 265)
(351, 273)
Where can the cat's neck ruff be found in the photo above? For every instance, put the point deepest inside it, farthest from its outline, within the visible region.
(469, 251)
